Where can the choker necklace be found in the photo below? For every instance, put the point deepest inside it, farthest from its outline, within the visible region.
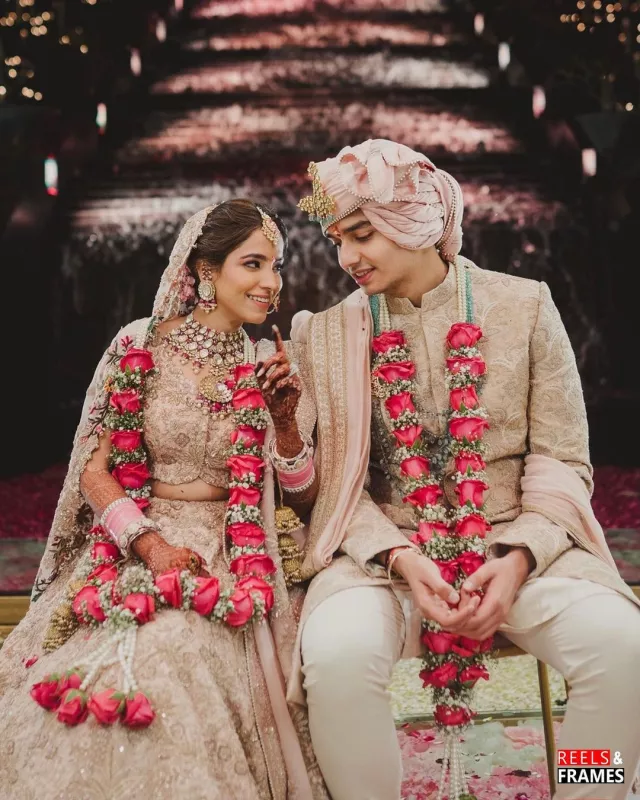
(217, 352)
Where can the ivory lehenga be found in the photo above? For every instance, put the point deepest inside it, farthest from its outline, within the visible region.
(222, 729)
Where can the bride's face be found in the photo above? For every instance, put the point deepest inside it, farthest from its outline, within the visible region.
(249, 280)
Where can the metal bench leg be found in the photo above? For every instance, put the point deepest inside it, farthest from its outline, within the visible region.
(547, 722)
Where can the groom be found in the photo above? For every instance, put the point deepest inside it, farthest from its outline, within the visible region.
(550, 584)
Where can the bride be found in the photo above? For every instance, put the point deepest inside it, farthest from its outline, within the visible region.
(152, 661)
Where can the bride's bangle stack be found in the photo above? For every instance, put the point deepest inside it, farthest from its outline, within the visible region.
(124, 522)
(295, 474)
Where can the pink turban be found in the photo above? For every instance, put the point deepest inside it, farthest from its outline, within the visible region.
(400, 191)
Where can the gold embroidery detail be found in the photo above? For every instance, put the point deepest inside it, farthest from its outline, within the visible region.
(63, 623)
(318, 205)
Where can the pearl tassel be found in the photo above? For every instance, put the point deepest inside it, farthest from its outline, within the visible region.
(452, 770)
(95, 662)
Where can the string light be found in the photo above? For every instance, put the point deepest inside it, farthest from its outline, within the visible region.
(161, 30)
(51, 175)
(135, 61)
(478, 24)
(589, 162)
(629, 107)
(504, 55)
(539, 101)
(101, 117)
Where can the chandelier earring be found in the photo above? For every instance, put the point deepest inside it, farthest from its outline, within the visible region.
(207, 291)
(275, 303)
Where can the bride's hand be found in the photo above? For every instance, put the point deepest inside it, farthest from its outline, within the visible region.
(280, 385)
(159, 556)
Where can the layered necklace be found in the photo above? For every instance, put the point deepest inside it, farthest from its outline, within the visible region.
(217, 354)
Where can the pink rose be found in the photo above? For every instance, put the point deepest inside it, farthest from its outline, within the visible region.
(239, 495)
(447, 715)
(472, 525)
(471, 675)
(127, 401)
(475, 364)
(246, 534)
(441, 676)
(486, 645)
(408, 436)
(258, 564)
(471, 491)
(170, 587)
(415, 466)
(46, 693)
(439, 642)
(142, 606)
(106, 706)
(73, 708)
(448, 570)
(105, 551)
(205, 596)
(470, 562)
(243, 372)
(126, 440)
(86, 605)
(71, 680)
(248, 436)
(103, 574)
(463, 334)
(248, 398)
(387, 340)
(135, 357)
(242, 608)
(469, 428)
(427, 530)
(137, 711)
(253, 584)
(424, 496)
(468, 645)
(132, 476)
(141, 502)
(399, 371)
(399, 403)
(434, 528)
(466, 396)
(243, 466)
(472, 461)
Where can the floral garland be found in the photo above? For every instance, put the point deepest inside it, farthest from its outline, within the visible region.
(120, 600)
(453, 539)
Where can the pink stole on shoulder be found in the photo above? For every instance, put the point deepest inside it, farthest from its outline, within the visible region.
(551, 488)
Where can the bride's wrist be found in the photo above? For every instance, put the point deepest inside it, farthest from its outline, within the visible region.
(289, 443)
(144, 544)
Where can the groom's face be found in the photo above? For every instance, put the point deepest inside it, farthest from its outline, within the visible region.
(375, 263)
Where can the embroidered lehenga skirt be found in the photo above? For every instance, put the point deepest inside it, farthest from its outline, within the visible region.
(213, 737)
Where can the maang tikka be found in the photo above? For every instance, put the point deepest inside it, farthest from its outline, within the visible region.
(207, 291)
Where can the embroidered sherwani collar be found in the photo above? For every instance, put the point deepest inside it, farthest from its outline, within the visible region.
(430, 300)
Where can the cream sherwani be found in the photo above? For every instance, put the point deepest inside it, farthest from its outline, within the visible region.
(574, 612)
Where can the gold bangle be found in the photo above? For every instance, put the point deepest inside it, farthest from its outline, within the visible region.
(397, 551)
